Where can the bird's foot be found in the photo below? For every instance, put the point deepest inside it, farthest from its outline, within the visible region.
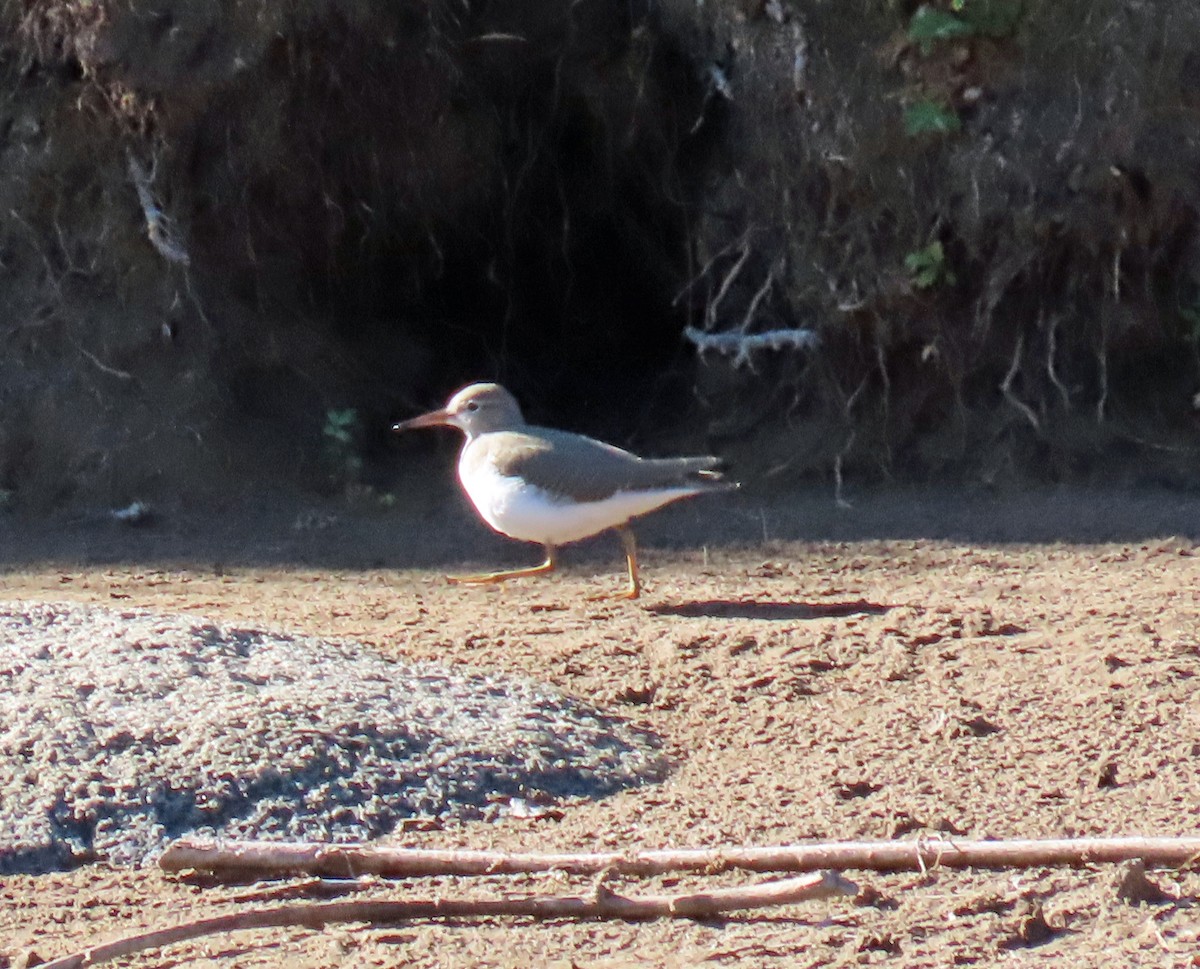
(486, 579)
(490, 578)
(631, 593)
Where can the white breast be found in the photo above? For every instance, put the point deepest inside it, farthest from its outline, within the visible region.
(523, 511)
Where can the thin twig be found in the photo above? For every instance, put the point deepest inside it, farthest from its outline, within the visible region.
(264, 858)
(604, 903)
(310, 887)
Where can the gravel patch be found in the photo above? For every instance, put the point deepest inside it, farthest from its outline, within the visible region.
(121, 730)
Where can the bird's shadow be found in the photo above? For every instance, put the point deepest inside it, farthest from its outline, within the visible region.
(767, 609)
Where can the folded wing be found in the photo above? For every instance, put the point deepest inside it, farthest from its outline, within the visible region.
(590, 470)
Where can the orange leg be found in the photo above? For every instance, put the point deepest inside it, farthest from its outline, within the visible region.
(487, 578)
(635, 583)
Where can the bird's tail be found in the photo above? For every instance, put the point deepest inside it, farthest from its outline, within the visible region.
(706, 471)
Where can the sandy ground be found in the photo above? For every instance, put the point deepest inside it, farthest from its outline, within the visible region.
(806, 688)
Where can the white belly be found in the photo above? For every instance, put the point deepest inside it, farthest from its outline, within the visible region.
(522, 511)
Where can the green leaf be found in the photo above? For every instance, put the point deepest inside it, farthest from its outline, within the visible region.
(927, 267)
(926, 117)
(930, 24)
(340, 426)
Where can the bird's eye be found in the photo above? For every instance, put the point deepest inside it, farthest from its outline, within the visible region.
(473, 405)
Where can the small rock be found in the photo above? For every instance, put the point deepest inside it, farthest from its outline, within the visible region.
(980, 726)
(1106, 776)
(880, 942)
(872, 897)
(904, 823)
(855, 789)
(1032, 928)
(636, 693)
(1132, 885)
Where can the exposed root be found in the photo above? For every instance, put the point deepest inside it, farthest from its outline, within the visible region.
(1051, 350)
(741, 345)
(730, 277)
(159, 226)
(757, 299)
(838, 499)
(707, 267)
(881, 361)
(102, 366)
(1102, 401)
(1010, 396)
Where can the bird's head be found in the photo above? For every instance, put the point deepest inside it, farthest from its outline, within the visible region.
(477, 409)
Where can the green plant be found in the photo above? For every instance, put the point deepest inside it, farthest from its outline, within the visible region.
(929, 117)
(340, 425)
(927, 267)
(965, 18)
(341, 432)
(929, 24)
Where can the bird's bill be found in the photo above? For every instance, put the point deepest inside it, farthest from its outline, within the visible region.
(435, 418)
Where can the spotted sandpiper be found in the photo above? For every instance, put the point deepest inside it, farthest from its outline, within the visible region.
(537, 484)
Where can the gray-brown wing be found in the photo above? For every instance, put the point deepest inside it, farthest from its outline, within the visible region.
(590, 470)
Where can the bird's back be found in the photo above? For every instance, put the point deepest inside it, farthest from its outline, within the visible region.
(583, 468)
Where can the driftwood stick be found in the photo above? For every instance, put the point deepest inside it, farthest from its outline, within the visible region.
(602, 904)
(264, 858)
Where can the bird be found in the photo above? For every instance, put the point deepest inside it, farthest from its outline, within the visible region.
(553, 487)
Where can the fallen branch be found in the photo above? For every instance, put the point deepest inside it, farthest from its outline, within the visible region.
(265, 858)
(603, 904)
